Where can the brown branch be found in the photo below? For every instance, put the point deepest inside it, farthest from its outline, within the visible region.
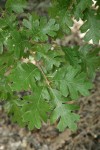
(40, 68)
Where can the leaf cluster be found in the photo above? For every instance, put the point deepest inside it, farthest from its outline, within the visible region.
(55, 76)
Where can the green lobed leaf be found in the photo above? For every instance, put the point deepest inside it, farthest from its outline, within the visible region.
(7, 21)
(91, 27)
(80, 7)
(22, 74)
(67, 118)
(49, 58)
(41, 28)
(63, 113)
(71, 55)
(35, 110)
(75, 82)
(16, 112)
(17, 6)
(90, 59)
(61, 14)
(31, 111)
(17, 43)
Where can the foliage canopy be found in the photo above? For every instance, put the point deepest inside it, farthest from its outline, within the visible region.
(55, 76)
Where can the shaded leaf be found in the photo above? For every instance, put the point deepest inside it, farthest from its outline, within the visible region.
(75, 81)
(91, 27)
(17, 6)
